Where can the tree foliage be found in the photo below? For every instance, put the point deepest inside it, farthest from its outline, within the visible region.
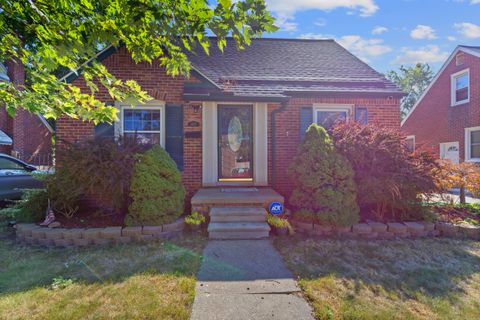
(412, 80)
(389, 177)
(323, 180)
(50, 37)
(465, 176)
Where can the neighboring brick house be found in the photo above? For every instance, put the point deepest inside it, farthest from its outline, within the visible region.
(239, 118)
(26, 136)
(446, 118)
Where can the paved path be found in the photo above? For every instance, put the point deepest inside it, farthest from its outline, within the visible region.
(246, 279)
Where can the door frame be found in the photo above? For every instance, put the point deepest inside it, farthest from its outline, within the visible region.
(210, 144)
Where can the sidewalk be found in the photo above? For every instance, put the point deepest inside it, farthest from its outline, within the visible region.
(246, 279)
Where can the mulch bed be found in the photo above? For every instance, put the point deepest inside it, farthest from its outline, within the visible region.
(89, 219)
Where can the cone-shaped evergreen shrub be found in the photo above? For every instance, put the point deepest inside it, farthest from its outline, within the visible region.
(323, 180)
(156, 190)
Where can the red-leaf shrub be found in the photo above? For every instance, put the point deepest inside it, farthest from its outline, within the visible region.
(389, 177)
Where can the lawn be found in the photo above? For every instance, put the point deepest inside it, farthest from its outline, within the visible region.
(137, 281)
(404, 279)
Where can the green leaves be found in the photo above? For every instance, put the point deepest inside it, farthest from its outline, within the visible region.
(52, 37)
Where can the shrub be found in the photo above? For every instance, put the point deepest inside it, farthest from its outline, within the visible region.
(391, 179)
(465, 175)
(195, 218)
(100, 168)
(156, 190)
(30, 208)
(323, 180)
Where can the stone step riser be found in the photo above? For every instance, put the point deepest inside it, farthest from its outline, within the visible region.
(237, 218)
(229, 235)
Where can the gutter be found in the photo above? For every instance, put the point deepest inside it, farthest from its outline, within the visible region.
(282, 108)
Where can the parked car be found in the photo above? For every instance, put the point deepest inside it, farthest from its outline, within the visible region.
(15, 175)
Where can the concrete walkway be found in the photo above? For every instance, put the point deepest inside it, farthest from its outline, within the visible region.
(246, 279)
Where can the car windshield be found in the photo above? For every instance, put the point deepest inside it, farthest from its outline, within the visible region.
(8, 164)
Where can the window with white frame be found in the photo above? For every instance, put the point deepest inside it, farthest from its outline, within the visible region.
(472, 144)
(410, 143)
(460, 87)
(146, 123)
(326, 116)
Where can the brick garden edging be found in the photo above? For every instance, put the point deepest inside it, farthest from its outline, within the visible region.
(391, 230)
(82, 237)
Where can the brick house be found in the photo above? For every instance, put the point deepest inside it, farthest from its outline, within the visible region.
(446, 118)
(26, 136)
(237, 121)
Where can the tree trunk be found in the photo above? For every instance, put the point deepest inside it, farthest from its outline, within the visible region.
(462, 195)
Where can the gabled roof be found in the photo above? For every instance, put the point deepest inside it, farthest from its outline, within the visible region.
(475, 51)
(276, 67)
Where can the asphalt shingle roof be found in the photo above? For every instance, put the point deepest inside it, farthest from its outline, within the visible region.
(477, 49)
(274, 67)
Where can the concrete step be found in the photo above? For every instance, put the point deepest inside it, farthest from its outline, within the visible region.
(237, 214)
(238, 230)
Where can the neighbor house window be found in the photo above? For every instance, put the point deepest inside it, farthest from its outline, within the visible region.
(460, 87)
(472, 144)
(326, 116)
(143, 122)
(410, 142)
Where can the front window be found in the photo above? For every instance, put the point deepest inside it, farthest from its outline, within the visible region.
(472, 144)
(143, 123)
(328, 116)
(460, 88)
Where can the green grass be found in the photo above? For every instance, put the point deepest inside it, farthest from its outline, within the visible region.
(404, 279)
(137, 281)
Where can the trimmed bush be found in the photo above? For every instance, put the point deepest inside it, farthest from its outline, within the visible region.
(156, 190)
(30, 208)
(390, 178)
(323, 181)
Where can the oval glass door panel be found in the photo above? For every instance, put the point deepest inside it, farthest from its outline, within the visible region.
(235, 151)
(235, 134)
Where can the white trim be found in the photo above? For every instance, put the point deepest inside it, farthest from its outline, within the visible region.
(468, 132)
(348, 108)
(413, 138)
(84, 64)
(150, 105)
(453, 87)
(443, 146)
(45, 122)
(454, 53)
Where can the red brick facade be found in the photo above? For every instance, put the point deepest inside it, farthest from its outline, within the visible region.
(384, 111)
(435, 121)
(32, 141)
(157, 83)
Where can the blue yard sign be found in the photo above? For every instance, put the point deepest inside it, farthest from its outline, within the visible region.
(275, 208)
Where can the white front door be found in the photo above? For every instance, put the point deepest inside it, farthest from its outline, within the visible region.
(450, 151)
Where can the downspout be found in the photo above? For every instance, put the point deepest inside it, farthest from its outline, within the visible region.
(282, 108)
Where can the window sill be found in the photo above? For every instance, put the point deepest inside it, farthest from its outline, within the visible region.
(476, 160)
(459, 103)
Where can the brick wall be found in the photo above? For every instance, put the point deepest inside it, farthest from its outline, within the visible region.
(382, 111)
(31, 139)
(153, 79)
(434, 121)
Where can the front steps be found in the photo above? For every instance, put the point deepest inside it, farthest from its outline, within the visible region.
(238, 223)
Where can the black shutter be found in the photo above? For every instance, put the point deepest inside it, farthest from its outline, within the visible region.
(174, 133)
(104, 129)
(306, 119)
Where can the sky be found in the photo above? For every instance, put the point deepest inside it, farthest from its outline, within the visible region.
(383, 33)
